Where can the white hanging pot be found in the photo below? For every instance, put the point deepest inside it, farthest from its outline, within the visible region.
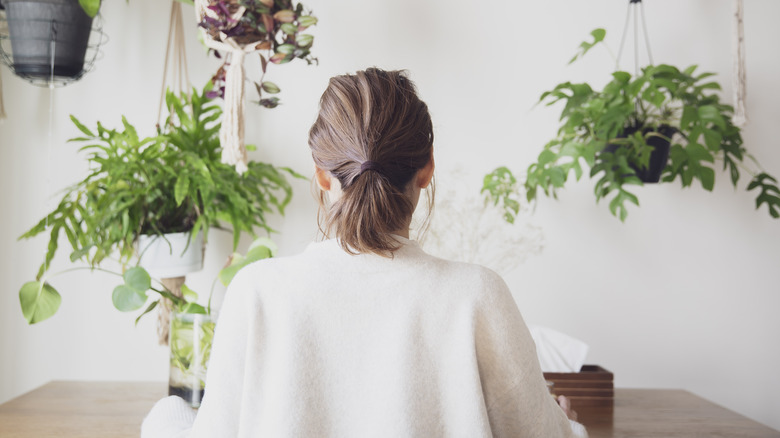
(170, 256)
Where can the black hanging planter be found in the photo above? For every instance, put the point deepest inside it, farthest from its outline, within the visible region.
(39, 28)
(658, 158)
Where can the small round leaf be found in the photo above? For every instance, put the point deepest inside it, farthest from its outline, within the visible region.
(127, 299)
(39, 301)
(138, 279)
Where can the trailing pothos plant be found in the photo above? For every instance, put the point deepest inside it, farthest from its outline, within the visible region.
(662, 116)
(171, 182)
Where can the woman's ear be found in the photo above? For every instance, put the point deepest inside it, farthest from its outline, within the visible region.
(323, 178)
(425, 175)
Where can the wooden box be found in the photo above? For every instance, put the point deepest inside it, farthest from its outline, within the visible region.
(592, 386)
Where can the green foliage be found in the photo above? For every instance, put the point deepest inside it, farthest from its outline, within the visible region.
(593, 127)
(502, 186)
(261, 248)
(91, 7)
(171, 182)
(39, 301)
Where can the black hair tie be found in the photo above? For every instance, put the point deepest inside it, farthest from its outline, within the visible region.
(370, 165)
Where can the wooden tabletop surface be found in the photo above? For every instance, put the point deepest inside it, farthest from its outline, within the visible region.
(115, 410)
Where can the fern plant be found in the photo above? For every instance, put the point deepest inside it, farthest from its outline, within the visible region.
(171, 182)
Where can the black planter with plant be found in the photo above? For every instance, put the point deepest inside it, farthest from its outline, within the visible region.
(40, 30)
(659, 139)
(614, 132)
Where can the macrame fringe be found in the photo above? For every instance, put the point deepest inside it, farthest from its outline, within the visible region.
(740, 78)
(231, 134)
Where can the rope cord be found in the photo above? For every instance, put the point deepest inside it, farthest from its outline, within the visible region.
(49, 140)
(739, 76)
(644, 28)
(636, 44)
(623, 38)
(632, 11)
(2, 107)
(180, 74)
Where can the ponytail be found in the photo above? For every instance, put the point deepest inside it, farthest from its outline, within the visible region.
(369, 211)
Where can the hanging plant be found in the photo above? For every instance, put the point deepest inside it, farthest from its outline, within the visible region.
(241, 27)
(663, 116)
(168, 183)
(275, 28)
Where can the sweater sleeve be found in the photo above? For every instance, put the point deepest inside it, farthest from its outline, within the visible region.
(218, 414)
(516, 395)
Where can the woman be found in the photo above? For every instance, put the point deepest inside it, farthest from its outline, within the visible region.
(366, 335)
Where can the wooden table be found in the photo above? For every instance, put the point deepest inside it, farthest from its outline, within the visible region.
(115, 410)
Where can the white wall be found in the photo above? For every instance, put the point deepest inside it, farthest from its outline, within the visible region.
(683, 295)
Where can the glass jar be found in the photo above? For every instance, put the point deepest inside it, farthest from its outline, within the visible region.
(190, 341)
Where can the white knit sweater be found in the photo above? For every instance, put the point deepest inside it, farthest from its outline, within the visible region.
(327, 344)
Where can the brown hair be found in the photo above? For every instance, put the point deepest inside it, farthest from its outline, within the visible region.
(373, 133)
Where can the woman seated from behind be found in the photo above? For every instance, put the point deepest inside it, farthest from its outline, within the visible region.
(365, 335)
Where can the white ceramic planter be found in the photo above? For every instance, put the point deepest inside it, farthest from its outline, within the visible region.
(167, 257)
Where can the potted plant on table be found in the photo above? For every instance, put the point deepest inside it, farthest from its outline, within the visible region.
(662, 124)
(172, 182)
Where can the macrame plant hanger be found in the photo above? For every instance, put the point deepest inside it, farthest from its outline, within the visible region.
(636, 9)
(231, 134)
(739, 75)
(180, 82)
(180, 79)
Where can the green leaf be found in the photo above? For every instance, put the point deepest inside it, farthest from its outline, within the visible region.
(148, 309)
(621, 77)
(689, 116)
(236, 263)
(709, 113)
(270, 87)
(304, 40)
(39, 301)
(307, 20)
(81, 127)
(188, 294)
(79, 253)
(257, 253)
(193, 308)
(91, 7)
(127, 299)
(289, 28)
(546, 156)
(598, 36)
(181, 189)
(286, 49)
(138, 279)
(712, 139)
(697, 152)
(707, 178)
